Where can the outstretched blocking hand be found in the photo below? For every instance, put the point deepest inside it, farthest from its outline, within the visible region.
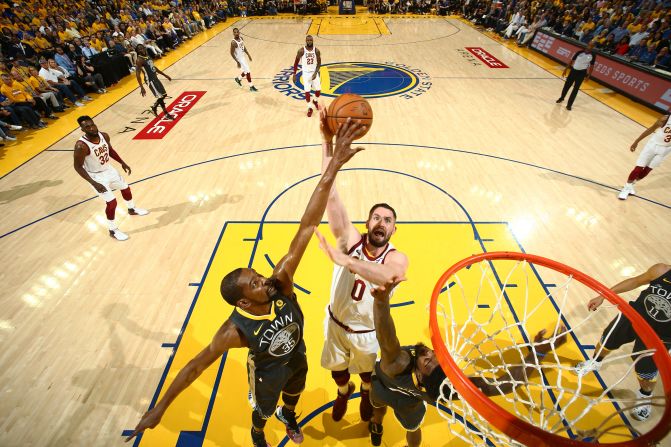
(150, 420)
(383, 292)
(347, 132)
(336, 256)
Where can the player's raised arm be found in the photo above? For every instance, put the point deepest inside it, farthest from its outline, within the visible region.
(339, 223)
(286, 268)
(394, 360)
(227, 337)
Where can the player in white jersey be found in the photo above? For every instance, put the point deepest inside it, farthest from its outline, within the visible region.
(240, 54)
(311, 61)
(362, 262)
(654, 152)
(93, 152)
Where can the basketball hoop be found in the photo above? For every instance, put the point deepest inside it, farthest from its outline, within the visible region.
(483, 335)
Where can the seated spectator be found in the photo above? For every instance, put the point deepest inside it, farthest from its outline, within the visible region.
(63, 60)
(635, 51)
(620, 32)
(648, 55)
(663, 59)
(518, 20)
(609, 45)
(22, 103)
(46, 91)
(57, 79)
(51, 102)
(638, 37)
(622, 48)
(123, 48)
(87, 50)
(23, 94)
(87, 73)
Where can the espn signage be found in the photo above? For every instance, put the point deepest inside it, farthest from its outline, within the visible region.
(635, 82)
(486, 57)
(160, 126)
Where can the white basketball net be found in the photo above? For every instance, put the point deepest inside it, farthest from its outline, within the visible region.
(486, 340)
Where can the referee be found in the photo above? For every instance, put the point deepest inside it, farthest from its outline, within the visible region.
(580, 61)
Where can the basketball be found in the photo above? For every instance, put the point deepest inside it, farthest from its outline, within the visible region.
(352, 106)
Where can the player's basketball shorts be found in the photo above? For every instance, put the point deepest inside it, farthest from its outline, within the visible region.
(408, 410)
(347, 351)
(244, 65)
(156, 88)
(620, 332)
(311, 84)
(111, 180)
(266, 385)
(653, 155)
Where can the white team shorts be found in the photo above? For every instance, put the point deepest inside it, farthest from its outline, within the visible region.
(311, 84)
(342, 350)
(111, 180)
(653, 155)
(244, 65)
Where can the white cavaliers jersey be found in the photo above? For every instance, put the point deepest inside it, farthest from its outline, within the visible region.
(98, 157)
(351, 300)
(309, 60)
(662, 136)
(239, 49)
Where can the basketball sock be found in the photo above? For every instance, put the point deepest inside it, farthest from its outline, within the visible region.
(341, 379)
(634, 174)
(110, 209)
(307, 97)
(643, 173)
(365, 380)
(249, 79)
(127, 194)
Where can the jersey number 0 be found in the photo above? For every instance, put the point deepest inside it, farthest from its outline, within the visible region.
(358, 289)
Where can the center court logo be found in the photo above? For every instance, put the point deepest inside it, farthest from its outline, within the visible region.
(367, 79)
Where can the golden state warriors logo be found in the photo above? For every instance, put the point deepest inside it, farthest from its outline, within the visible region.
(367, 79)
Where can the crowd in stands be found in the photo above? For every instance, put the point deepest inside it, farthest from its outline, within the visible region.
(58, 54)
(638, 31)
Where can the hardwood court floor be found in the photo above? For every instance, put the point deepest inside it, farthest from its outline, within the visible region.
(89, 325)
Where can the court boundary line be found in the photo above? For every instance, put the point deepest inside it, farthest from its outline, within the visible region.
(304, 146)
